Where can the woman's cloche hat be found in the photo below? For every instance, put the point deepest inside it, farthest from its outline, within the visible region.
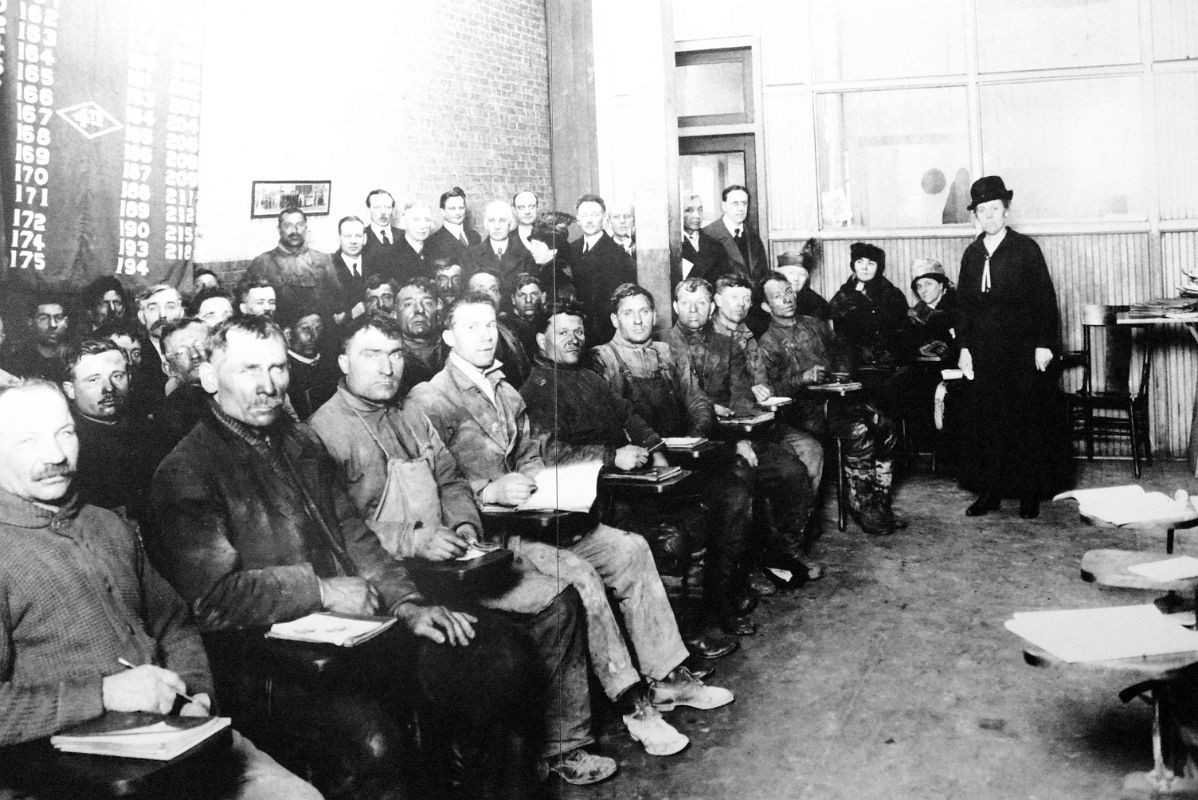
(986, 189)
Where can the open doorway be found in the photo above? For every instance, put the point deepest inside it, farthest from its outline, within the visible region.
(706, 164)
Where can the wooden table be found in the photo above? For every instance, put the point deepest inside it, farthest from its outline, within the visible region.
(699, 451)
(1112, 568)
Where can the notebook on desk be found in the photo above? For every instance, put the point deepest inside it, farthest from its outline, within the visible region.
(157, 737)
(643, 474)
(327, 627)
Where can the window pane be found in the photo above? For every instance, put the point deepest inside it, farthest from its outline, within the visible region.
(1068, 149)
(860, 39)
(716, 88)
(894, 158)
(1174, 30)
(1042, 34)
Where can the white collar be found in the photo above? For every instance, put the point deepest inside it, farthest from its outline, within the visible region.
(478, 376)
(453, 227)
(732, 226)
(593, 238)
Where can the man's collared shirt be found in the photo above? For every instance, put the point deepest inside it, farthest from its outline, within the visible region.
(480, 378)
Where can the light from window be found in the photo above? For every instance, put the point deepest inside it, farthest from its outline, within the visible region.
(895, 158)
(862, 39)
(1045, 34)
(1069, 149)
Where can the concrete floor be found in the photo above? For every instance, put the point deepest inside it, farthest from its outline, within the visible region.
(894, 678)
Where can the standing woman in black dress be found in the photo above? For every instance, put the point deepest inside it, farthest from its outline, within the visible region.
(1008, 331)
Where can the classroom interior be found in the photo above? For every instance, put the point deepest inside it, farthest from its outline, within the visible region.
(854, 120)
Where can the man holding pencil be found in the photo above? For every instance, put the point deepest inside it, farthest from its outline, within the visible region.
(86, 624)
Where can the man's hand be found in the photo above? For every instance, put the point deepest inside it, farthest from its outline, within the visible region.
(349, 595)
(510, 490)
(144, 688)
(761, 392)
(965, 363)
(817, 374)
(631, 456)
(744, 449)
(722, 411)
(438, 543)
(438, 623)
(202, 707)
(1043, 358)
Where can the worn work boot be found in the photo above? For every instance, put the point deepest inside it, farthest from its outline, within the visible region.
(682, 688)
(658, 737)
(873, 521)
(580, 768)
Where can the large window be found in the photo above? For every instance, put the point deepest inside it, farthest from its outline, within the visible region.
(1049, 94)
(714, 87)
(893, 158)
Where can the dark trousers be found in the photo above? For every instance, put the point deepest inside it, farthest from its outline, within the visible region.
(559, 637)
(780, 478)
(462, 720)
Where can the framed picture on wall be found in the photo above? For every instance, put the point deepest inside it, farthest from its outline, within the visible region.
(268, 198)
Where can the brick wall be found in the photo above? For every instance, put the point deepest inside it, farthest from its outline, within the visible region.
(414, 98)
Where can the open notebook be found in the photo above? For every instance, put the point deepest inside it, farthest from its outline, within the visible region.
(138, 735)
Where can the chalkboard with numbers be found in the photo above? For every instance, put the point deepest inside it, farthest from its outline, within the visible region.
(100, 115)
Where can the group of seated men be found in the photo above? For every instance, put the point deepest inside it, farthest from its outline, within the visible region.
(298, 444)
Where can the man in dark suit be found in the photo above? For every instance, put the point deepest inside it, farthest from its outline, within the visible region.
(743, 249)
(525, 205)
(453, 237)
(701, 256)
(412, 258)
(497, 254)
(349, 266)
(382, 237)
(600, 265)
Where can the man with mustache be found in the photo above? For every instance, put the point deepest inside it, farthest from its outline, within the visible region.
(117, 454)
(252, 528)
(156, 306)
(79, 595)
(40, 357)
(184, 344)
(300, 275)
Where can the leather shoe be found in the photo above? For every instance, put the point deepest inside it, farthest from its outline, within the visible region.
(986, 502)
(738, 626)
(760, 583)
(1029, 507)
(711, 647)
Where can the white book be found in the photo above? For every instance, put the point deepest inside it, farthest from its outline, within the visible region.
(1104, 634)
(1120, 505)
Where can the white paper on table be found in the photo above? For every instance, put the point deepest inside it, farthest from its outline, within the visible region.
(1169, 569)
(952, 374)
(569, 487)
(1120, 505)
(1103, 634)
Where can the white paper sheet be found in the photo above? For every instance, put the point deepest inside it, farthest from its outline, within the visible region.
(569, 487)
(1120, 505)
(1104, 634)
(1169, 569)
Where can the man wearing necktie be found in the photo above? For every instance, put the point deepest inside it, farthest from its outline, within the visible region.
(347, 262)
(499, 253)
(700, 256)
(600, 265)
(623, 228)
(743, 251)
(380, 251)
(453, 237)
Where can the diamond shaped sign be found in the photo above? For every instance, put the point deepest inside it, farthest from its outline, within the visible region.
(89, 119)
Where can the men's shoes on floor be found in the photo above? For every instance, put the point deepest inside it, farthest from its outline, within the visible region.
(738, 626)
(761, 584)
(682, 688)
(873, 522)
(898, 520)
(1029, 507)
(658, 737)
(711, 647)
(580, 768)
(985, 503)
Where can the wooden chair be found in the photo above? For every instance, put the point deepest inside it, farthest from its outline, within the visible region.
(1106, 404)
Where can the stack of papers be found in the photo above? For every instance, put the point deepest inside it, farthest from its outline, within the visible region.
(138, 735)
(775, 402)
(1120, 505)
(325, 627)
(566, 487)
(646, 474)
(1104, 634)
(748, 419)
